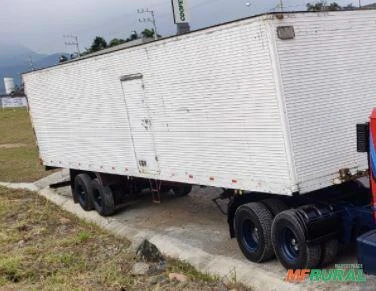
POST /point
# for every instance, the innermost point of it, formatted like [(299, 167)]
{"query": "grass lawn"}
[(44, 247), (18, 152)]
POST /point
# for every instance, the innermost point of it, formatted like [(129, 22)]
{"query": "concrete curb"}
[(221, 266), (24, 186)]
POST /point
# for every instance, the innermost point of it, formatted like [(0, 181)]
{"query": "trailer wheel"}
[(329, 252), (182, 189), (73, 175), (83, 191), (103, 199), (275, 205), (290, 245), (253, 222)]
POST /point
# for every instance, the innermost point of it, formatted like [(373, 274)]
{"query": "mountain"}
[(14, 54), (370, 6), (15, 59)]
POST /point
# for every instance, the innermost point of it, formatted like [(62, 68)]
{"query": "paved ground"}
[(193, 229)]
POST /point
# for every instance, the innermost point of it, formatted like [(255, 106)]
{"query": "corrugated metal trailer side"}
[(202, 108), (328, 72)]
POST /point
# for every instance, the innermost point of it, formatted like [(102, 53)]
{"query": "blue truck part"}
[(366, 251)]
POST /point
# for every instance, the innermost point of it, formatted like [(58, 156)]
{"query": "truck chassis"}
[(302, 231)]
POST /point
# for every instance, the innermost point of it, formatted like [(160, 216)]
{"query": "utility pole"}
[(73, 42), (360, 3), (31, 63), (281, 5), (152, 19)]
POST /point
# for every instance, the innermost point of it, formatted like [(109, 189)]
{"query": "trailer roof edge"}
[(122, 47)]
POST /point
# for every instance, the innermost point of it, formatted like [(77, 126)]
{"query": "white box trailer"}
[(231, 106), (265, 104)]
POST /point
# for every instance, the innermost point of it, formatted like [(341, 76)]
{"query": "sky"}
[(41, 24)]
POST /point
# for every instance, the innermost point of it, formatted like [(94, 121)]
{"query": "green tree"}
[(116, 41), (133, 36), (350, 7), (315, 7), (63, 59), (99, 43), (334, 7), (148, 33), (322, 6)]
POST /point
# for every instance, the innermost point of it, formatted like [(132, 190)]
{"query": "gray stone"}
[(21, 243), (149, 252), (157, 279), (140, 269), (158, 268)]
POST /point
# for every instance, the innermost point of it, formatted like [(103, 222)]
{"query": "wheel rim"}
[(250, 235), (97, 198), (289, 244), (81, 194)]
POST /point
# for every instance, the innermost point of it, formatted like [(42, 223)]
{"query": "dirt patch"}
[(12, 145)]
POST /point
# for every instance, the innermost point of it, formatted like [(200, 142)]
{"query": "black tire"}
[(83, 191), (253, 224), (329, 252), (275, 205), (103, 199), (182, 190), (73, 175), (290, 245)]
